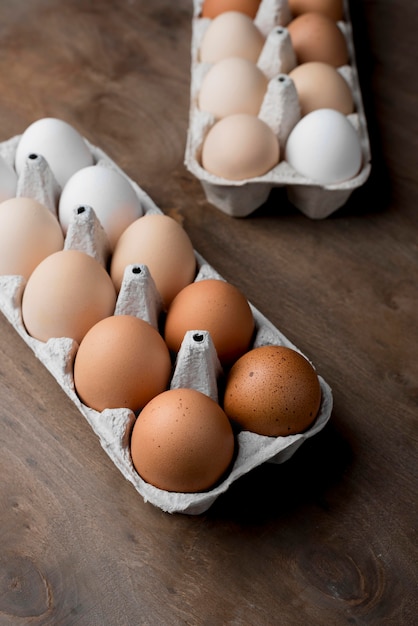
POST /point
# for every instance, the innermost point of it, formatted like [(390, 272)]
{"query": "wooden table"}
[(328, 537)]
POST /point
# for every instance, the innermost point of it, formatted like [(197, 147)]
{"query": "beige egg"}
[(66, 294), (316, 37), (231, 34), (215, 306), (29, 232), (232, 85), (273, 391), (321, 86), (331, 8), (182, 441), (239, 147), (161, 243), (122, 361)]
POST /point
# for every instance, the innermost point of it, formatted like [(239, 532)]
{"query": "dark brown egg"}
[(272, 390)]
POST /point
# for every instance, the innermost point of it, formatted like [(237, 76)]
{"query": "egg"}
[(325, 147), (108, 192), (29, 232), (8, 180), (217, 307), (182, 441), (231, 34), (61, 145), (320, 86), (66, 294), (122, 362), (333, 9), (161, 243), (239, 147), (213, 8), (232, 85), (273, 391), (316, 37)]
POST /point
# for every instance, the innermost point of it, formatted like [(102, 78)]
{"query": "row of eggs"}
[(323, 146), (184, 440)]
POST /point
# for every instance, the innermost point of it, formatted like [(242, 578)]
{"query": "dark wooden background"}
[(328, 538)]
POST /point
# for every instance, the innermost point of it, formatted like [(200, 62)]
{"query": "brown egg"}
[(331, 8), (212, 8), (121, 362), (182, 441), (217, 307), (161, 243), (272, 390), (29, 232), (321, 86), (67, 293), (316, 37), (240, 147)]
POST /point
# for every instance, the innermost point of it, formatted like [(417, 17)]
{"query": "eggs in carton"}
[(280, 109), (197, 365)]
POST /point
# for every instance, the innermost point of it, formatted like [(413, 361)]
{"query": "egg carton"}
[(197, 365), (281, 111)]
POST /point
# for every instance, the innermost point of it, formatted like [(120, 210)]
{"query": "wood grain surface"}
[(327, 538)]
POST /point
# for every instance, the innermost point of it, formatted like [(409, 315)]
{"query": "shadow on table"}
[(273, 490)]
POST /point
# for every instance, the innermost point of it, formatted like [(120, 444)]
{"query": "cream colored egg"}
[(239, 147), (66, 294), (321, 86), (29, 232), (232, 85), (231, 34), (161, 243)]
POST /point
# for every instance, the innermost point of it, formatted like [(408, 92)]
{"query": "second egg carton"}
[(281, 111), (197, 365)]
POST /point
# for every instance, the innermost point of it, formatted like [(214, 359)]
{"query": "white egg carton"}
[(197, 365), (281, 111)]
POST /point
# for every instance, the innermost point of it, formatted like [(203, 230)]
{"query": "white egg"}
[(8, 180), (108, 192), (325, 147), (61, 145)]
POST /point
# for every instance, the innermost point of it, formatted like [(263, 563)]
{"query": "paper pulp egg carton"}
[(281, 111), (197, 363)]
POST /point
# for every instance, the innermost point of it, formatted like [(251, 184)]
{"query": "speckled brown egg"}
[(182, 441), (218, 307), (272, 390), (121, 362)]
